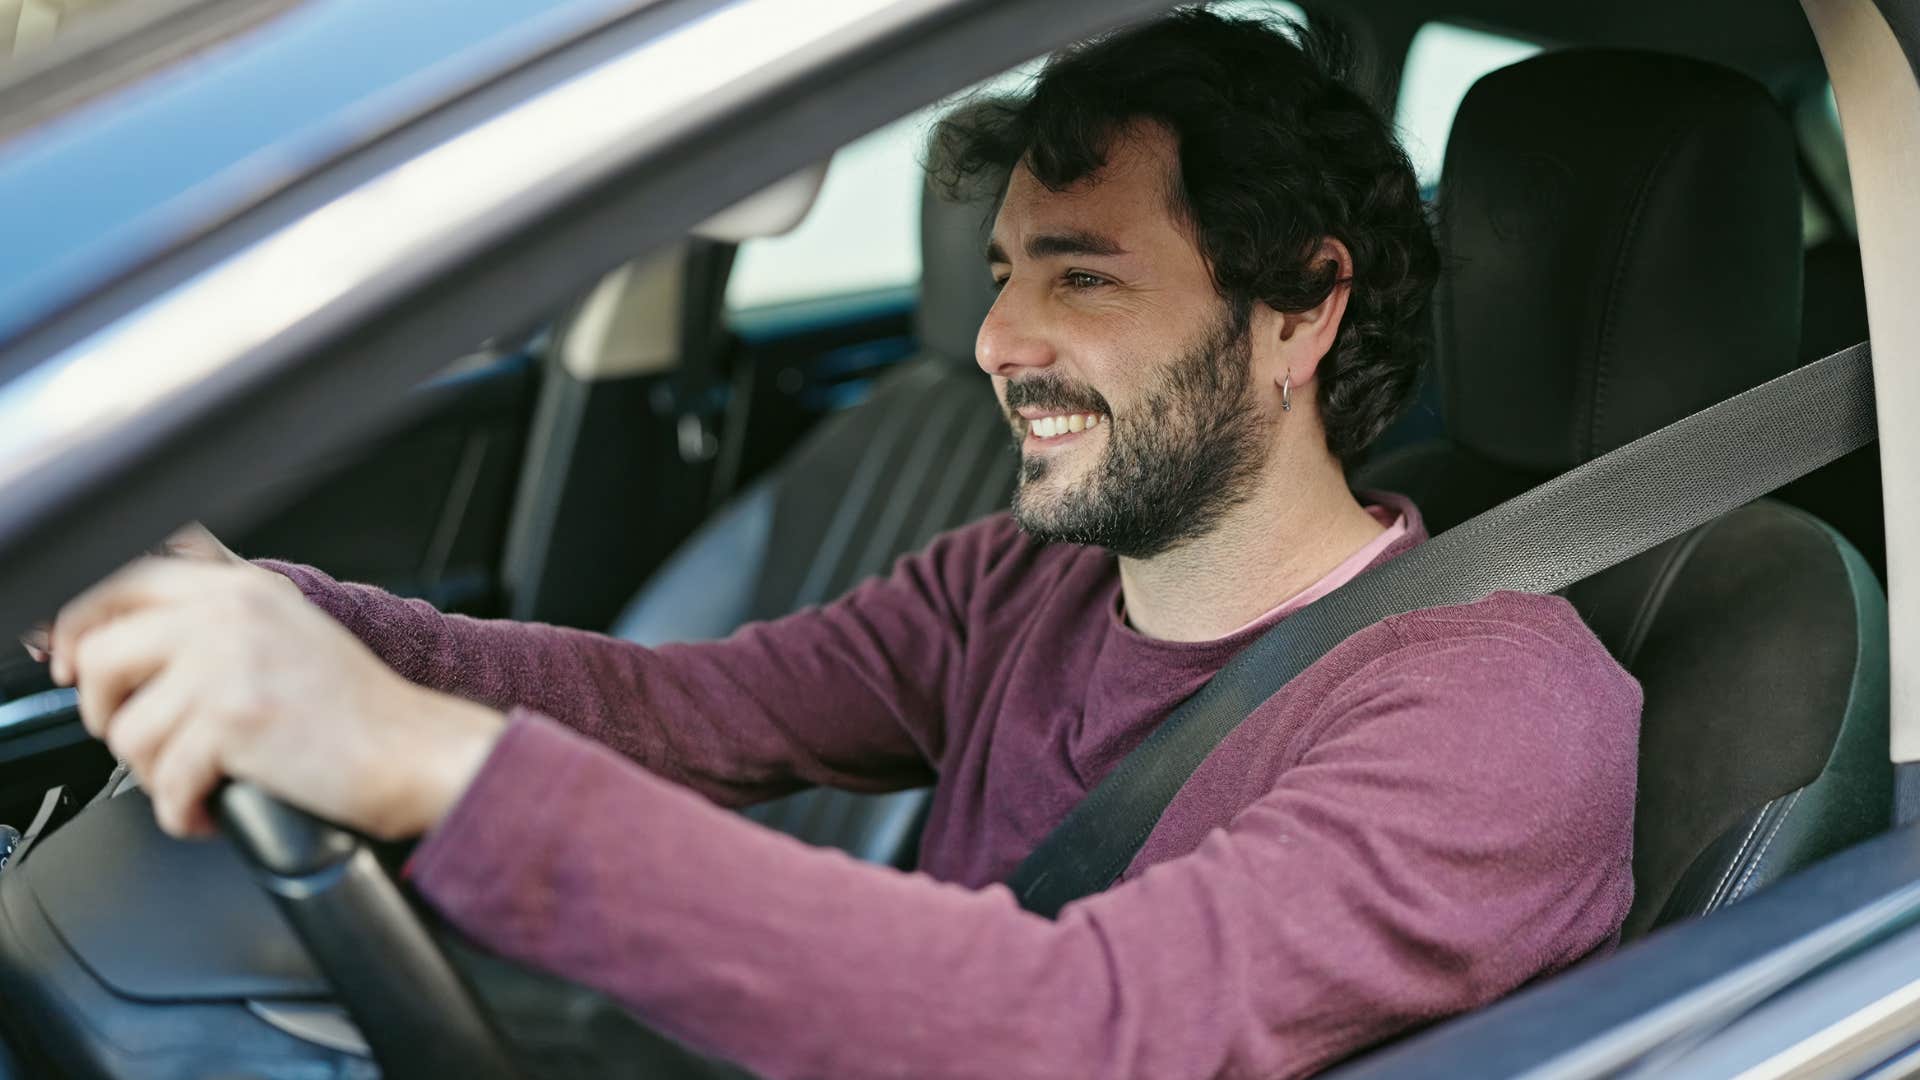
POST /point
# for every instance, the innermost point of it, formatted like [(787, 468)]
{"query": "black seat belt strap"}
[(1576, 525)]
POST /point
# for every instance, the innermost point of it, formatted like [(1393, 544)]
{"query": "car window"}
[(863, 232), (1442, 64)]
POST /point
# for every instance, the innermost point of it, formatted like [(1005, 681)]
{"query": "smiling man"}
[(1213, 275), (1101, 284)]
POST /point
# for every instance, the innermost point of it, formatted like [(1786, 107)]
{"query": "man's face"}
[(1123, 374)]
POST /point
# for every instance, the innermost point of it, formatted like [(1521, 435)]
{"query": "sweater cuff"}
[(319, 589), (470, 861)]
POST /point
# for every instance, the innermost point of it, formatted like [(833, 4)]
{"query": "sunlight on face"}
[(1123, 373)]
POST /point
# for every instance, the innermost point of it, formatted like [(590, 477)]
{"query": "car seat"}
[(1623, 237)]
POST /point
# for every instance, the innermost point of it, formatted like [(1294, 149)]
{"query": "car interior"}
[(1645, 215)]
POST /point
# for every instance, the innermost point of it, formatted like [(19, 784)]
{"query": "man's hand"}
[(194, 670), (190, 541)]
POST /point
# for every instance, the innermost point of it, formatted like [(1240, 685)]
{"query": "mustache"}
[(1054, 392)]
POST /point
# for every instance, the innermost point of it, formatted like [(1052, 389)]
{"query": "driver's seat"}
[(1625, 246)]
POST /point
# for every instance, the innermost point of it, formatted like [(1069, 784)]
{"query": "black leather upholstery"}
[(1760, 641), (927, 452), (1633, 218), (1624, 237)]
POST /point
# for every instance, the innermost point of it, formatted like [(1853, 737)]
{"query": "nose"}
[(1011, 338)]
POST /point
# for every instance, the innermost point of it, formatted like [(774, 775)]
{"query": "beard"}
[(1172, 466)]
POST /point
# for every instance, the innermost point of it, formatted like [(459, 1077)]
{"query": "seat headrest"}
[(1622, 233), (955, 288)]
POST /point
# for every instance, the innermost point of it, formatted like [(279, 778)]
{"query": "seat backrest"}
[(928, 451), (1623, 237)]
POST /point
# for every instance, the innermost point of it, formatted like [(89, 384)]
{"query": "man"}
[(1213, 272)]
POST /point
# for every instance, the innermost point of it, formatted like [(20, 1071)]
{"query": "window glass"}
[(863, 232), (1442, 64)]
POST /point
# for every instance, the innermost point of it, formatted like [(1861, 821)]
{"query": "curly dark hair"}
[(1276, 152)]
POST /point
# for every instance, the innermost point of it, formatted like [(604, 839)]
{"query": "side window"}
[(863, 233), (1442, 64)]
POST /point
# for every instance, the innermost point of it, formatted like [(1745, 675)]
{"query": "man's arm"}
[(1442, 842), (850, 695)]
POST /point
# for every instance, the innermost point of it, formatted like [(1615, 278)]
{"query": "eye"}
[(1080, 279), (999, 282)]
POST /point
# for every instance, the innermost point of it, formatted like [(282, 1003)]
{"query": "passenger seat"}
[(927, 452), (1624, 241)]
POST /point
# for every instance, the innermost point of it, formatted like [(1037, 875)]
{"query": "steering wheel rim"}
[(368, 942)]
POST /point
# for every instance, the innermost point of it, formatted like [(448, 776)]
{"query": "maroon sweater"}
[(1437, 811)]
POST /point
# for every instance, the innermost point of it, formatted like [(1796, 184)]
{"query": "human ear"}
[(1305, 337)]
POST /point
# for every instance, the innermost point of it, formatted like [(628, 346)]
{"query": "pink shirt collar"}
[(1349, 568)]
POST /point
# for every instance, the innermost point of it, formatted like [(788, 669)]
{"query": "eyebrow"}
[(1049, 245)]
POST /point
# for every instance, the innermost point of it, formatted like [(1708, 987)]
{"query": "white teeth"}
[(1047, 427)]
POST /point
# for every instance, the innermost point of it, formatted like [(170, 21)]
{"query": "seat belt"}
[(1571, 527)]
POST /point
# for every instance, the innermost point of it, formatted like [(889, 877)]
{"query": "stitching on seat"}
[(1761, 854), (1733, 864), (883, 539), (817, 587), (975, 437), (1610, 313), (1655, 597)]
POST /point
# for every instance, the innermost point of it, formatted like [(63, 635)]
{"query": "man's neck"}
[(1265, 551)]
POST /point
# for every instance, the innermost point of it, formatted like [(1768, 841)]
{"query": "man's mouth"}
[(1046, 426)]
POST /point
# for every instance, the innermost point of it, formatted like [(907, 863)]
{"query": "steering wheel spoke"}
[(410, 1003)]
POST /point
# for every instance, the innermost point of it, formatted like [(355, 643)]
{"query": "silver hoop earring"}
[(1286, 393)]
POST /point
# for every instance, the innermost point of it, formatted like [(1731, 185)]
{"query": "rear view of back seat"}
[(927, 452)]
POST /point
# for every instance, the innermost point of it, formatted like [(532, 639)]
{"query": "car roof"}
[(132, 172)]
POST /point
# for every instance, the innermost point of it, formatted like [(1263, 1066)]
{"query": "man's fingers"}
[(183, 776), (137, 585), (149, 720), (113, 661)]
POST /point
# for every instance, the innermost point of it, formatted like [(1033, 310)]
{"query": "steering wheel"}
[(416, 1012)]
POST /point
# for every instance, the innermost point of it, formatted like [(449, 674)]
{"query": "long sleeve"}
[(1459, 823), (850, 695)]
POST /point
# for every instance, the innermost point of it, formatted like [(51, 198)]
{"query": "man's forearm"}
[(420, 642), (740, 721)]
